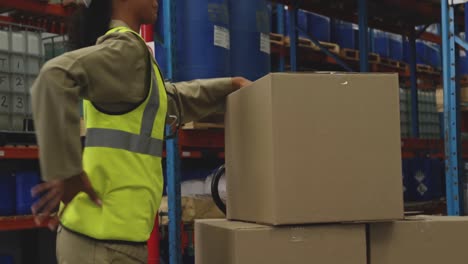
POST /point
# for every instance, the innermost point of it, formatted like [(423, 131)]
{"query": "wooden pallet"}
[(332, 47), (202, 125), (403, 66), (350, 54), (464, 80), (301, 42), (389, 62), (276, 39), (424, 68), (374, 58)]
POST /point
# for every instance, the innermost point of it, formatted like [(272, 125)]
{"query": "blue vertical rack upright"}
[(172, 150), (452, 106)]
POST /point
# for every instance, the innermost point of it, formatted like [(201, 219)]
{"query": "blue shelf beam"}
[(172, 153), (174, 199), (168, 7), (363, 36), (451, 112)]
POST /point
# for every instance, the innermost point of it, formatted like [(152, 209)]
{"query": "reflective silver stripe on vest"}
[(151, 110), (141, 143), (116, 139)]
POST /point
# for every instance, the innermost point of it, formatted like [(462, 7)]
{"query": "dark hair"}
[(89, 23)]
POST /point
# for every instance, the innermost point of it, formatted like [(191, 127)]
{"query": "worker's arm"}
[(109, 74), (200, 98)]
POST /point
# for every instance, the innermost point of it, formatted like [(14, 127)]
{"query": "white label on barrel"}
[(2, 153), (221, 37), (265, 43)]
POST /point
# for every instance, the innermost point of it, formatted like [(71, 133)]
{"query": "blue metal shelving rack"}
[(451, 100)]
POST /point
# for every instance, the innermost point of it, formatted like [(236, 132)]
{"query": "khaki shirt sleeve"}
[(111, 74), (199, 98)]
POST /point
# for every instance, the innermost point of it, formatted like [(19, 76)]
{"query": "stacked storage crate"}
[(405, 113), (429, 122), (20, 60)]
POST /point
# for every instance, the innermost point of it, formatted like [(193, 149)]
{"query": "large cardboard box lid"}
[(315, 148), (420, 239), (229, 242)]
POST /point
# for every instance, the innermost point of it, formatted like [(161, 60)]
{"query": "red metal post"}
[(153, 244), (147, 33)]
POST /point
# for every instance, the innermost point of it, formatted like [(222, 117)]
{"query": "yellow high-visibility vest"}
[(122, 158)]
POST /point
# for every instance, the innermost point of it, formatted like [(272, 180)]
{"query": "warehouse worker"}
[(112, 191)]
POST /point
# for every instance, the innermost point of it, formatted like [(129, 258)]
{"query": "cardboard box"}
[(193, 207), (225, 242), (425, 240), (314, 148), (440, 98)]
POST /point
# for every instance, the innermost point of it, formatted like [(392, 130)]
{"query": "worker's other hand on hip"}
[(56, 191), (240, 82)]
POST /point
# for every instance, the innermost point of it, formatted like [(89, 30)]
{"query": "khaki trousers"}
[(76, 249)]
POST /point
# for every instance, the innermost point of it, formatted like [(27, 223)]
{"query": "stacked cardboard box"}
[(311, 160)]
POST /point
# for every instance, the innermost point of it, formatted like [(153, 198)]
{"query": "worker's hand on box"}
[(56, 191), (240, 82)]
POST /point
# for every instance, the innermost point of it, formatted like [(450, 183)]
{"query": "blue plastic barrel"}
[(7, 194), (427, 179), (406, 171), (343, 34), (422, 53), (380, 43), (159, 37), (434, 55), (302, 20), (250, 38), (395, 47), (203, 45), (6, 259), (318, 26), (25, 181)]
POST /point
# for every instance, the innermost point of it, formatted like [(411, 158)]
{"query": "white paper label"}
[(2, 153), (186, 154), (221, 37), (265, 43)]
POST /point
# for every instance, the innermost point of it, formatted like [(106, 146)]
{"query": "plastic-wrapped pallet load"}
[(429, 123)]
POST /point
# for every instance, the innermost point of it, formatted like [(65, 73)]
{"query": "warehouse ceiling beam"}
[(35, 7)]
